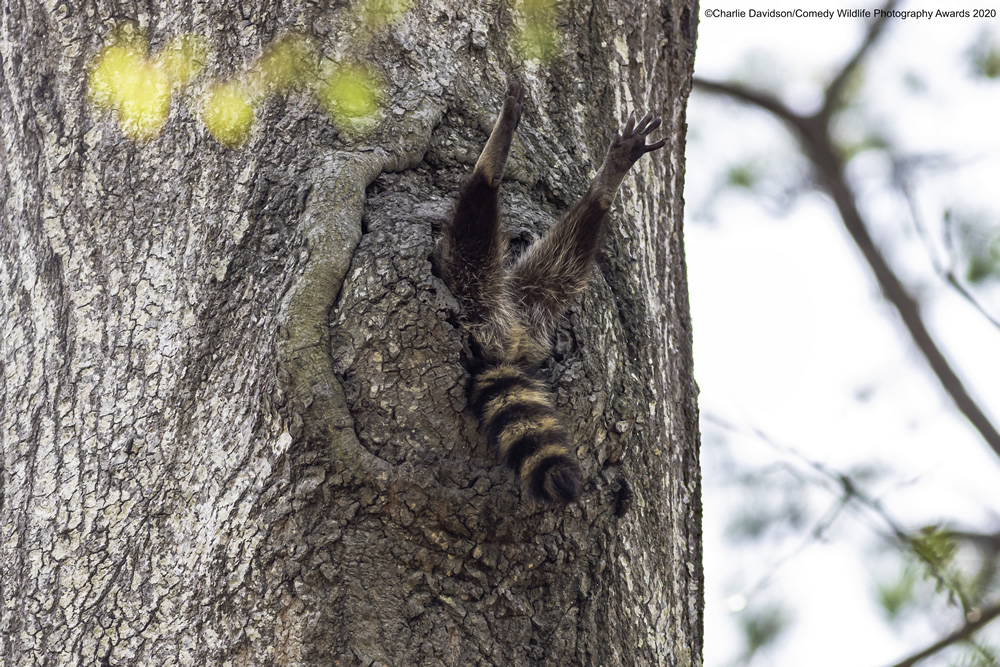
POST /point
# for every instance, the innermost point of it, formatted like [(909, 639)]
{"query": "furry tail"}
[(520, 420)]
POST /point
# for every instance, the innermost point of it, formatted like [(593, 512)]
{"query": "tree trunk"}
[(234, 420)]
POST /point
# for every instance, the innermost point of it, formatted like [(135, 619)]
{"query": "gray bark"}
[(233, 398)]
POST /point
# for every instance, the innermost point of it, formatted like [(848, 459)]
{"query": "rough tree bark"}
[(233, 398)]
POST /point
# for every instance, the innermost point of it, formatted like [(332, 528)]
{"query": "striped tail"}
[(520, 420)]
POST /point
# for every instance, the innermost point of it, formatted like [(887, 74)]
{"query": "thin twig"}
[(982, 617), (946, 274), (850, 490), (834, 91)]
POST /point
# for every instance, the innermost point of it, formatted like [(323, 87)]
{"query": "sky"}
[(793, 339)]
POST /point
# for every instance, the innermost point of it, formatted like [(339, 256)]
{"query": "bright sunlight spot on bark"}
[(228, 114), (123, 79), (351, 93), (538, 39)]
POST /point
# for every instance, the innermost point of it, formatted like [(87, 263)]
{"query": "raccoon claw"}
[(630, 144), (513, 103)]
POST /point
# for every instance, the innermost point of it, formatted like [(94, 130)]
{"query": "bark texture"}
[(232, 408)]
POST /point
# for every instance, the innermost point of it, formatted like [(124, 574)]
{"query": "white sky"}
[(792, 337)]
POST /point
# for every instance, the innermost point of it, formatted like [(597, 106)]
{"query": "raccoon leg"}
[(515, 407), (493, 159), (557, 267), (472, 246)]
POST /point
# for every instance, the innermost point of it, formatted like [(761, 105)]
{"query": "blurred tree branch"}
[(988, 542), (850, 492), (974, 621), (834, 97), (813, 133), (945, 272)]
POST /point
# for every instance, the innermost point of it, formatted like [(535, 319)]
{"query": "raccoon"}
[(511, 313)]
